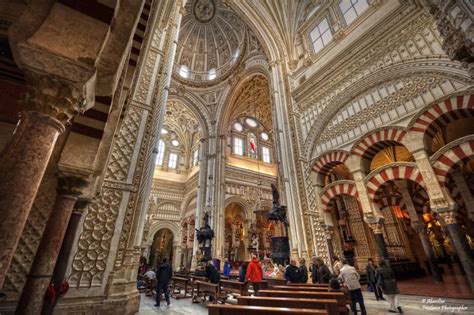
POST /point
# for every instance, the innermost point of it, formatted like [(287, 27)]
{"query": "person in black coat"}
[(163, 275), (324, 274), (212, 274), (303, 271), (243, 271), (371, 270), (313, 268), (292, 273)]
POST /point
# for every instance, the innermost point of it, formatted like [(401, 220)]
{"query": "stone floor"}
[(411, 304)]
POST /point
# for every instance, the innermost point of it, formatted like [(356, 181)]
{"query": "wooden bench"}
[(258, 310), (330, 305), (339, 296), (272, 282), (210, 289), (295, 288), (179, 284), (231, 286), (325, 285)]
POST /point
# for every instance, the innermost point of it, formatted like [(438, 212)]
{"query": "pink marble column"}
[(32, 297), (22, 165)]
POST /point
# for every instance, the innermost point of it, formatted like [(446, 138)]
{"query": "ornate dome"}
[(211, 42)]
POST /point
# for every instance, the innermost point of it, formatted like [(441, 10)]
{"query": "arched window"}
[(252, 145), (161, 153), (173, 160), (351, 9)]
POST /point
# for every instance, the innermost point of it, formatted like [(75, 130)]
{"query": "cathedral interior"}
[(127, 125)]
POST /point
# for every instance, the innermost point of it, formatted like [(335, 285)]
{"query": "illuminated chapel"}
[(290, 129)]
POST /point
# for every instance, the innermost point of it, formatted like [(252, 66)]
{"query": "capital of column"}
[(375, 223), (81, 205), (54, 97), (448, 217), (71, 185)]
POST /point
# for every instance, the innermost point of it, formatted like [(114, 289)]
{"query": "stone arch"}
[(452, 155), (376, 140), (442, 112), (325, 162), (342, 187), (400, 170), (196, 106), (174, 227), (410, 68), (242, 202), (187, 201)]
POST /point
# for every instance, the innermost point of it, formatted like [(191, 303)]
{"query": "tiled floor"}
[(412, 305), (455, 285)]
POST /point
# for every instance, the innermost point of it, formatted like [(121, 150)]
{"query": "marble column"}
[(329, 231), (466, 255), (376, 224), (41, 272), (59, 274), (465, 192), (49, 104), (419, 227), (428, 249)]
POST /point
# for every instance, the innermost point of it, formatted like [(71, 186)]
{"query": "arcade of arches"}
[(122, 123)]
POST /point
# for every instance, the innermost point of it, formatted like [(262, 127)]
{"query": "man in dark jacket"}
[(212, 274), (163, 275), (371, 271), (303, 271), (292, 273)]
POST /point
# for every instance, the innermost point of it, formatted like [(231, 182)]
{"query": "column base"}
[(124, 304)]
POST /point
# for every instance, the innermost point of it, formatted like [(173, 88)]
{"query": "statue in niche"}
[(278, 213), (254, 241)]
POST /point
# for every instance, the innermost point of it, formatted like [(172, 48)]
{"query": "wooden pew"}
[(179, 284), (210, 289), (325, 285), (272, 282), (295, 288), (227, 309), (231, 286), (339, 296), (330, 305)]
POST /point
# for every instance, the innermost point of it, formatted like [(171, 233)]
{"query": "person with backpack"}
[(350, 278)]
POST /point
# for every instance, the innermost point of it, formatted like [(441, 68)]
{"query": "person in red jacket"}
[(254, 273)]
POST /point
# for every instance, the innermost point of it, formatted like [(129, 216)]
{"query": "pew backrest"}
[(227, 309), (330, 305)]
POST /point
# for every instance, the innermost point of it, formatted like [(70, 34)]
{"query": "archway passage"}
[(421, 253), (235, 233), (162, 247)]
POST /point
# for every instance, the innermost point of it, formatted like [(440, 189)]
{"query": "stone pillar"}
[(59, 274), (465, 193), (40, 275), (419, 227), (466, 255), (329, 232), (50, 103), (375, 223), (425, 242)]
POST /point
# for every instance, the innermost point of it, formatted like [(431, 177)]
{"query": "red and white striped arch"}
[(397, 171), (441, 114), (336, 189), (390, 201), (327, 161), (378, 140), (448, 160)]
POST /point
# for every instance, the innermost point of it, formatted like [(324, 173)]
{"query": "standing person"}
[(371, 270), (350, 279), (163, 276), (227, 267), (254, 273), (336, 267), (303, 271), (292, 272), (313, 268), (324, 274), (243, 271), (386, 280)]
